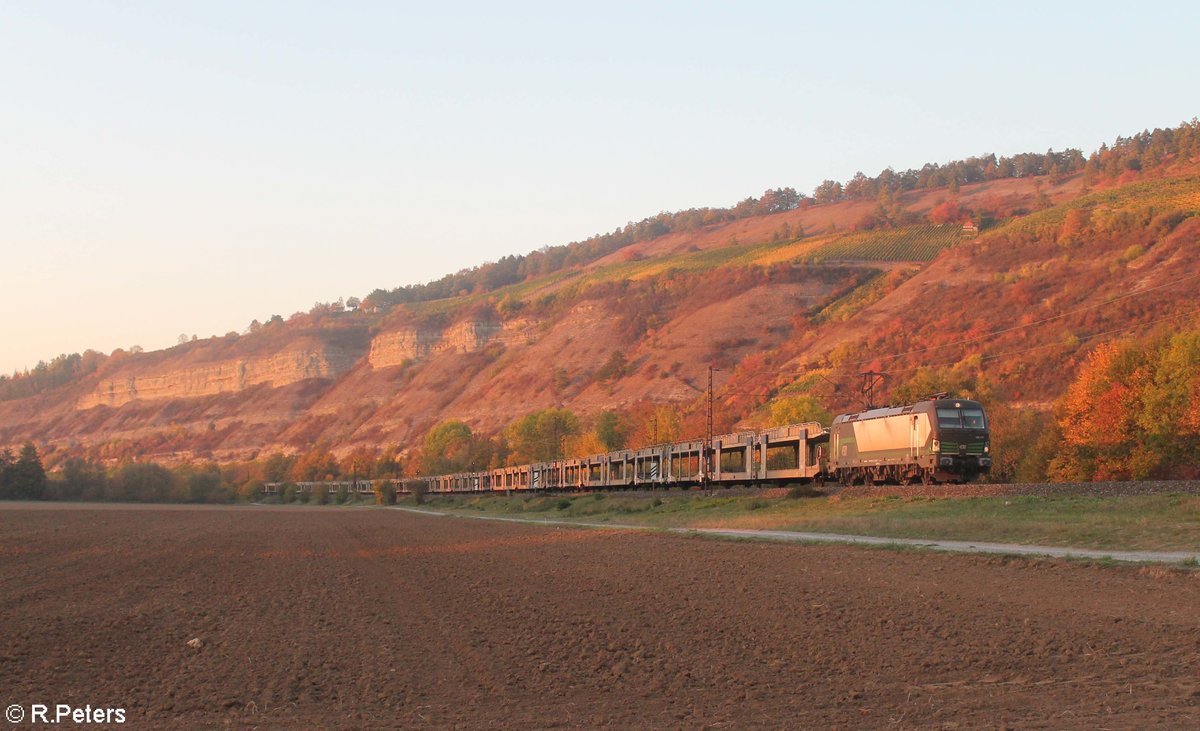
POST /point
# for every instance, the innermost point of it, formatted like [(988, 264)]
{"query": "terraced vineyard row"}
[(916, 243)]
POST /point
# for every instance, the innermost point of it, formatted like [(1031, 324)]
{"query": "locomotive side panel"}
[(892, 437)]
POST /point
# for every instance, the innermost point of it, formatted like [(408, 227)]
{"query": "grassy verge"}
[(1140, 522)]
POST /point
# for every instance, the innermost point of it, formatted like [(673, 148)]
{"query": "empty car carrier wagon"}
[(792, 453)]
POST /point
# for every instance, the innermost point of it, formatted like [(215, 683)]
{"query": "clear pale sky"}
[(168, 169)]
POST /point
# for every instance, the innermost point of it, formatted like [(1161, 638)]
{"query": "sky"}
[(172, 169)]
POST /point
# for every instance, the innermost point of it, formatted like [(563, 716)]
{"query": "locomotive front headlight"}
[(987, 447), (937, 446)]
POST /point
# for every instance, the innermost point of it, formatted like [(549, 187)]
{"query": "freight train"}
[(935, 440)]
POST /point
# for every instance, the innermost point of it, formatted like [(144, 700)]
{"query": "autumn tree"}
[(81, 480), (359, 463), (451, 447), (584, 445), (539, 436), (1096, 415), (277, 467), (607, 434), (656, 424), (1170, 414), (1132, 412), (1074, 226), (145, 482), (797, 410), (1023, 441), (388, 463), (947, 212), (385, 492), (201, 484), (612, 430), (829, 191), (317, 463)]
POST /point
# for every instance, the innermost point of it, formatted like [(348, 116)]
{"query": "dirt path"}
[(344, 618)]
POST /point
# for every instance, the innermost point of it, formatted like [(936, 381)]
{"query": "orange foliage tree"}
[(947, 212), (1133, 411)]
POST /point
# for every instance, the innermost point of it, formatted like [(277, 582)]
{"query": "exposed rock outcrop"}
[(408, 344), (227, 376)]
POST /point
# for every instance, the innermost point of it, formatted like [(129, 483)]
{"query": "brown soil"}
[(371, 618)]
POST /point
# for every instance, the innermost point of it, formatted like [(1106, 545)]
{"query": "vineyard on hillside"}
[(916, 243)]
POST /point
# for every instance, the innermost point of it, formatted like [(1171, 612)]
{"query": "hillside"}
[(786, 303)]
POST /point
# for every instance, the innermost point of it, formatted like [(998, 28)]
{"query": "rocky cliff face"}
[(279, 369), (408, 344)]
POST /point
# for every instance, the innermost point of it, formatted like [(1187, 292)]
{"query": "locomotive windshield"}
[(964, 418)]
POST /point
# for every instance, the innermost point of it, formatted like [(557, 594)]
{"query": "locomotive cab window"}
[(968, 418), (949, 419)]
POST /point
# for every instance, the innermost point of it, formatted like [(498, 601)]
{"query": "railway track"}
[(833, 490)]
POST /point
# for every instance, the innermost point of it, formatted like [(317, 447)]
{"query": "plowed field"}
[(373, 618)]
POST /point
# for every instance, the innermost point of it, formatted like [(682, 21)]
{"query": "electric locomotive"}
[(937, 440)]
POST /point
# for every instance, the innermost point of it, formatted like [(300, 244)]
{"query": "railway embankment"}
[(1041, 489), (1112, 517)]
